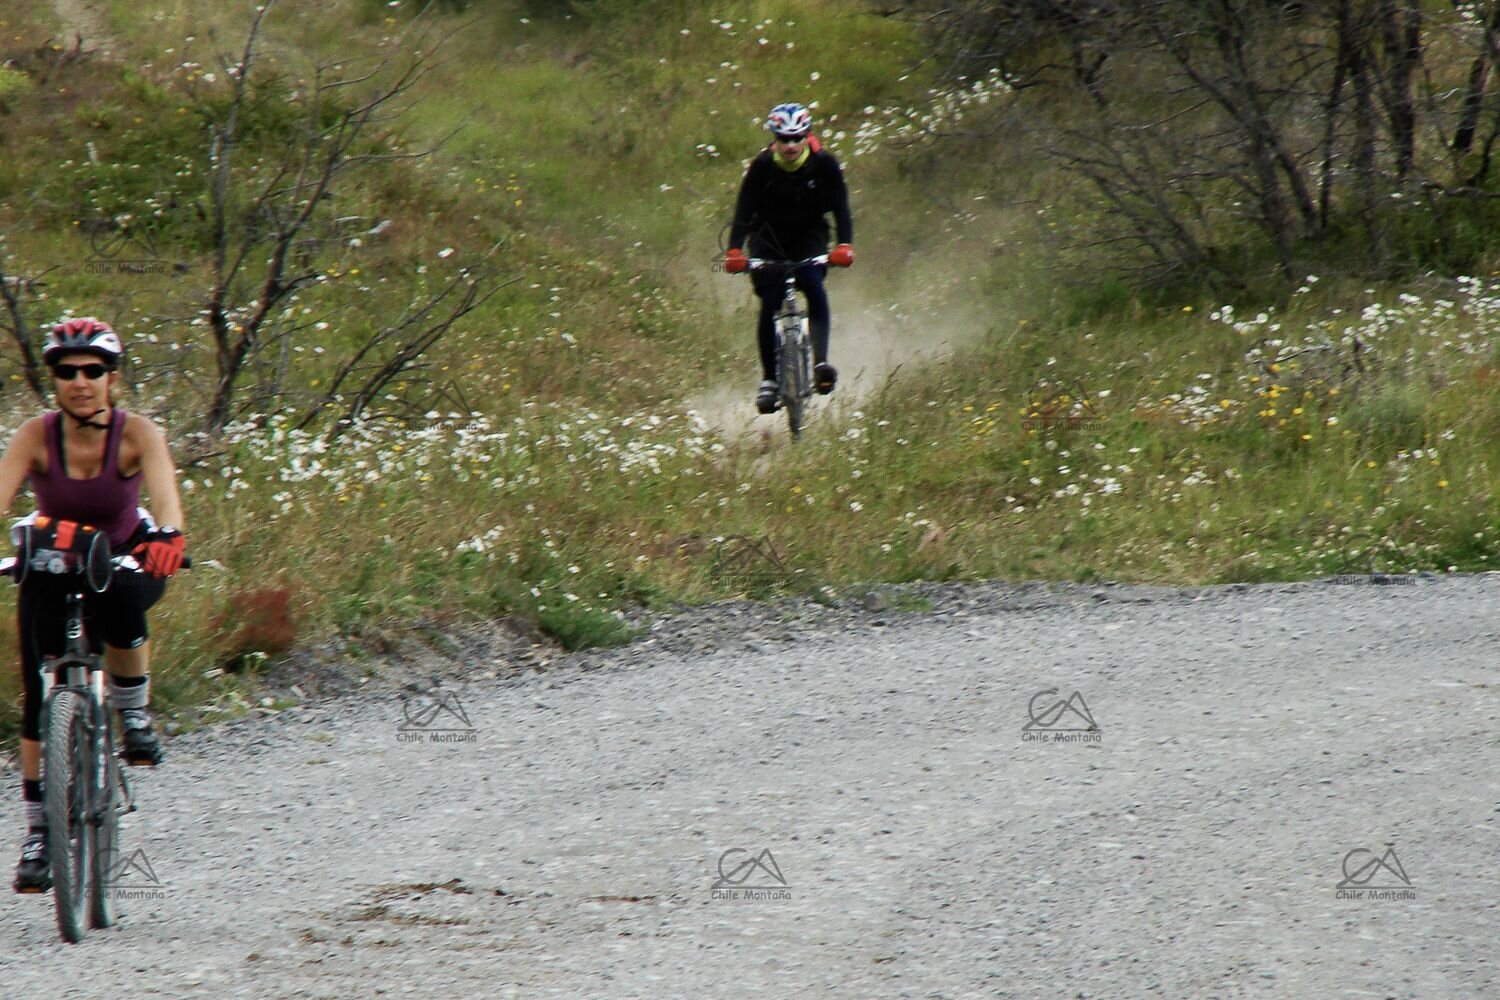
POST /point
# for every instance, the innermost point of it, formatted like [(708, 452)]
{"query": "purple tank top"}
[(108, 501)]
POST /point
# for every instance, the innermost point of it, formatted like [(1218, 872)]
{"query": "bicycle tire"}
[(69, 833), (792, 368), (104, 857)]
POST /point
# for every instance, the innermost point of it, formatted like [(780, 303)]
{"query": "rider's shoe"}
[(141, 745), (825, 377), (765, 400), (34, 873)]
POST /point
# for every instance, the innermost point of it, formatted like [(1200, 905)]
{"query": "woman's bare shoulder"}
[(136, 424), (32, 429)]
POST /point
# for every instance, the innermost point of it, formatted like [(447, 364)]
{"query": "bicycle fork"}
[(83, 676)]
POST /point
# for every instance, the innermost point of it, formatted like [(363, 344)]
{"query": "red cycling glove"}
[(842, 256), (161, 553), (735, 261)]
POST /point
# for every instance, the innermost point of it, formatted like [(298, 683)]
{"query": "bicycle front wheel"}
[(104, 858), (69, 832), (793, 370)]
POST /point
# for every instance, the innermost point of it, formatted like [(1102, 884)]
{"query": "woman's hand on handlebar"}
[(161, 553)]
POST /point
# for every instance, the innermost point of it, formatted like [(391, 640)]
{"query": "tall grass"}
[(1075, 430)]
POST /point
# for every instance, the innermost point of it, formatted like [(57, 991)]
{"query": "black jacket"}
[(784, 212)]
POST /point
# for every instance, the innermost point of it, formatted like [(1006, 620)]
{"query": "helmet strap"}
[(89, 420)]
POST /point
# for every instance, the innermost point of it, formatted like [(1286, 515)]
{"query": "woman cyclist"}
[(86, 462), (789, 190)]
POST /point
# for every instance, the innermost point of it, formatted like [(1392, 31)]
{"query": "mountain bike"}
[(794, 386), (85, 786)]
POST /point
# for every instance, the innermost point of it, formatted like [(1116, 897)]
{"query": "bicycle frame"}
[(86, 789), (79, 669), (793, 343)]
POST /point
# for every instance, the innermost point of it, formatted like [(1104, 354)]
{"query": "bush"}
[(13, 82), (256, 623)]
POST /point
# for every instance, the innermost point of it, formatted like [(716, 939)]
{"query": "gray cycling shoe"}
[(765, 400), (141, 745), (34, 873)]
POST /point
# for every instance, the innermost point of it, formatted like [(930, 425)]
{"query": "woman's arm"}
[(18, 460), (158, 471)]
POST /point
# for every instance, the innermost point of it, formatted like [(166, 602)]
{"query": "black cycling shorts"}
[(116, 617)]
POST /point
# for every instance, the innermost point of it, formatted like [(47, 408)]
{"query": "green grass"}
[(1078, 427)]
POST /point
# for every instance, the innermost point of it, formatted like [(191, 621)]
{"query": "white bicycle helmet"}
[(85, 335), (789, 119)]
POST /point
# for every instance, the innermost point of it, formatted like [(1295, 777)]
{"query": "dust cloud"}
[(880, 328)]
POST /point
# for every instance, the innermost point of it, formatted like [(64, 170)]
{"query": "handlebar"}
[(757, 263), (126, 562), (60, 548)]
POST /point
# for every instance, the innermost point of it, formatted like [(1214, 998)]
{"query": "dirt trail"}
[(82, 19), (873, 338), (1289, 791)]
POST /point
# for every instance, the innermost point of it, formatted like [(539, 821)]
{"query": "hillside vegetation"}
[(581, 440)]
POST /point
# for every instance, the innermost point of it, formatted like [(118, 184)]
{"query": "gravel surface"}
[(887, 799)]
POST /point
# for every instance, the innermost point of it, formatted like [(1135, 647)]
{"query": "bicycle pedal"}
[(142, 758)]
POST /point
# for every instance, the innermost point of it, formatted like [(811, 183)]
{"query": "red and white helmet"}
[(85, 335), (789, 119)]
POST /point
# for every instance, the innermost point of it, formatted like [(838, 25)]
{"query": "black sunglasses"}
[(789, 138), (67, 373)]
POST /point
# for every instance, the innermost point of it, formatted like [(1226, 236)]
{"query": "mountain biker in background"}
[(86, 462), (789, 190)]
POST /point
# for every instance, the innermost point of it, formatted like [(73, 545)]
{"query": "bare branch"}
[(12, 288), (406, 340), (275, 233)]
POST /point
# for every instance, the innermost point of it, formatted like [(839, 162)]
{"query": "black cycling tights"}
[(116, 617), (770, 289)]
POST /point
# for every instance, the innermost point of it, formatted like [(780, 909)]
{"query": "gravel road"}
[(887, 800)]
